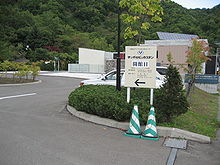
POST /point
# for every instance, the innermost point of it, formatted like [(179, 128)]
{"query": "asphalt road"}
[(36, 129)]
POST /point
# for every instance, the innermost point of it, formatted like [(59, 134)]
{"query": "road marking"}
[(23, 95)]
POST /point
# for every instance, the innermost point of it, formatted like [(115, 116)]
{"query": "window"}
[(162, 71), (112, 76)]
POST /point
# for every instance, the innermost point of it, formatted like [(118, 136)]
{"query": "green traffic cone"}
[(150, 132), (134, 129)]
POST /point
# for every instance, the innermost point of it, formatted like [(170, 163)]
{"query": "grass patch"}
[(201, 117)]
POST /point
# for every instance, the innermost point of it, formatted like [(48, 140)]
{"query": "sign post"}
[(128, 94), (151, 96), (140, 68)]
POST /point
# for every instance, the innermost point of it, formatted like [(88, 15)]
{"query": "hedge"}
[(105, 101)]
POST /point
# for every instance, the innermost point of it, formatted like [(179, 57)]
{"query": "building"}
[(98, 61), (175, 44), (91, 60)]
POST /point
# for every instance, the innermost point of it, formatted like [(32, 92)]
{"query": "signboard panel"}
[(140, 66), (203, 79)]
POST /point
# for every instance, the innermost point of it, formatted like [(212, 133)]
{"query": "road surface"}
[(36, 129)]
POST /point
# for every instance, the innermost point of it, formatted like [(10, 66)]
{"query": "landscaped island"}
[(20, 72)]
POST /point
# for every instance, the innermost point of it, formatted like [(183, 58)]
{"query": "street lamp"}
[(27, 47), (26, 53), (57, 59), (118, 68)]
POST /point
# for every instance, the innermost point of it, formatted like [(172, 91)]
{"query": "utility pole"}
[(118, 69), (216, 59)]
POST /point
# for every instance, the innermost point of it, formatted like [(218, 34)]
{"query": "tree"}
[(4, 51), (171, 99), (101, 44), (139, 14), (195, 57), (10, 52), (41, 54), (69, 24), (35, 70)]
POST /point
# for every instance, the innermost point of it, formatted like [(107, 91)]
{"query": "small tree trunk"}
[(191, 82), (34, 77)]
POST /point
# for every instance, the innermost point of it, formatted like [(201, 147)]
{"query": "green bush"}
[(22, 70), (101, 100), (105, 101), (46, 67), (171, 100)]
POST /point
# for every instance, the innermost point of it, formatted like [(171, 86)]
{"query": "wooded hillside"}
[(58, 28)]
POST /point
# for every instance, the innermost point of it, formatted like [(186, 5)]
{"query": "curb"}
[(62, 76), (5, 85), (162, 131), (70, 76)]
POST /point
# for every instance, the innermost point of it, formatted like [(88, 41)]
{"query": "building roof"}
[(175, 36), (168, 42), (171, 42)]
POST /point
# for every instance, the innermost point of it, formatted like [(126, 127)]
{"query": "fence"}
[(208, 83), (86, 68)]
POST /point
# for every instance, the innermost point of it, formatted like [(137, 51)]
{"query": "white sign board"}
[(140, 66)]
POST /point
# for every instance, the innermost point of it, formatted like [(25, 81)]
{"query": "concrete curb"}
[(63, 76), (5, 85), (71, 75), (162, 131)]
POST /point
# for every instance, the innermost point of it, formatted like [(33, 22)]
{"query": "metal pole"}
[(118, 69), (128, 94), (151, 96), (216, 56), (217, 53), (58, 67), (54, 65)]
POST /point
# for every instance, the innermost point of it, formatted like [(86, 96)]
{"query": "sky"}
[(197, 3)]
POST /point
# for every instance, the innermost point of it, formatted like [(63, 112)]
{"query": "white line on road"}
[(23, 95)]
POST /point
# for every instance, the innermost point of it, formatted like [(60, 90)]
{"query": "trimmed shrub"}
[(106, 101), (101, 100)]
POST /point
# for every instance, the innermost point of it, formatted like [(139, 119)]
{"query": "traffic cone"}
[(150, 132), (134, 129)]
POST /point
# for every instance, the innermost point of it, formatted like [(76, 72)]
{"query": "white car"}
[(110, 78)]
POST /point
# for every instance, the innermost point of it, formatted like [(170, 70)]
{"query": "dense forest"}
[(44, 29)]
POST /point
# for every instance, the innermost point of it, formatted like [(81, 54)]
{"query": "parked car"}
[(110, 78)]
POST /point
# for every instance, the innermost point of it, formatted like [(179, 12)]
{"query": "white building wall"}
[(108, 55), (91, 56)]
